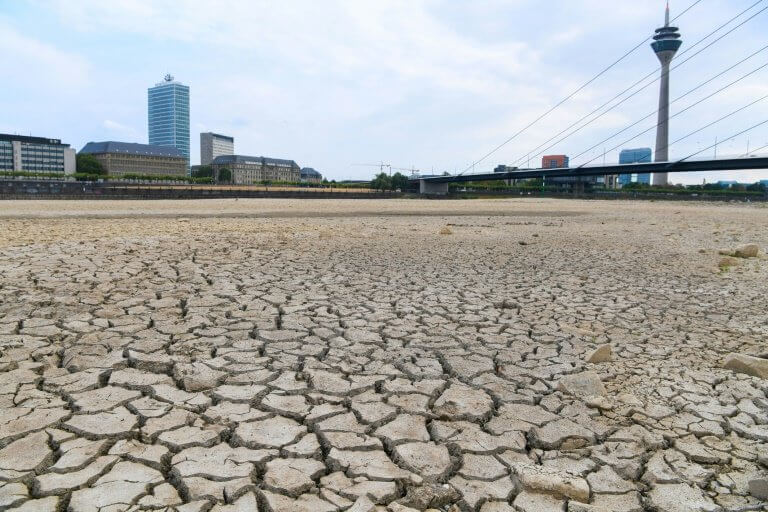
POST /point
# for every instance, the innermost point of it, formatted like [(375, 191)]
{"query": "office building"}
[(213, 145), (665, 44), (634, 156), (309, 175), (168, 115), (247, 170), (121, 158), (19, 153), (554, 162)]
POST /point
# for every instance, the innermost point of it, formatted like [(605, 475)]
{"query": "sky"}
[(432, 85)]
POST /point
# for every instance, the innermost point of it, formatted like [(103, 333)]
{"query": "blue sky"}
[(433, 84)]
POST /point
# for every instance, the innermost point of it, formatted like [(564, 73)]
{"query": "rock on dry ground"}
[(281, 355)]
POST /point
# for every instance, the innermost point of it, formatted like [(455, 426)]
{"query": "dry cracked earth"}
[(509, 355)]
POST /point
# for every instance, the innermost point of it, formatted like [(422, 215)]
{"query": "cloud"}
[(126, 132), (39, 65)]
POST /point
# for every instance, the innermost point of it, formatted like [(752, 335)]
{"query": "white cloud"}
[(127, 133), (39, 65)]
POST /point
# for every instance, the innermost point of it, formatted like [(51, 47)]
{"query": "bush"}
[(88, 164)]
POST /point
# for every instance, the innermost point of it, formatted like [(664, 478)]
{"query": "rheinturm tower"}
[(666, 42)]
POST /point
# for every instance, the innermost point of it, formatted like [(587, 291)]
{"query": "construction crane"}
[(380, 165), (412, 170)]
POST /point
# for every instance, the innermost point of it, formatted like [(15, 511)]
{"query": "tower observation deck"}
[(666, 43)]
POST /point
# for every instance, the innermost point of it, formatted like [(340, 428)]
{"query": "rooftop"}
[(130, 148), (219, 136), (7, 137), (308, 171), (256, 160)]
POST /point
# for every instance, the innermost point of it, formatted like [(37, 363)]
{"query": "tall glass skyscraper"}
[(169, 115)]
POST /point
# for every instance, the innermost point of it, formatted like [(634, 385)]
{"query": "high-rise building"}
[(35, 154), (169, 115), (213, 145), (666, 42), (634, 156)]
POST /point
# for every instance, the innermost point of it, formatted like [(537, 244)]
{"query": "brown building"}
[(554, 162), (247, 170), (121, 158)]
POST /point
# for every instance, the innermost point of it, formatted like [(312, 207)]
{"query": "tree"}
[(204, 171), (225, 175), (88, 164), (399, 181), (381, 182)]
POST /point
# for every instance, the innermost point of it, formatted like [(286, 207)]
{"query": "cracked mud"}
[(538, 355)]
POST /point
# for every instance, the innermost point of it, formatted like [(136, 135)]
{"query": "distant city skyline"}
[(427, 85)]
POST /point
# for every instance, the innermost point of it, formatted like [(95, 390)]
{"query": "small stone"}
[(750, 365), (727, 262), (747, 251), (601, 354), (582, 385), (758, 488)]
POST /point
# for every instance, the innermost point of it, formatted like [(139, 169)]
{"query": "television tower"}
[(666, 42)]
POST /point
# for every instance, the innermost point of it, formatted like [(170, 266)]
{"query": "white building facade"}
[(213, 145), (19, 153)]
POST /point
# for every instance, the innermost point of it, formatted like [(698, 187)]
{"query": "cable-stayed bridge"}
[(438, 185), (665, 43)]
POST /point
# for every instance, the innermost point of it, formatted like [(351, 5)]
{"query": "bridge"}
[(438, 185)]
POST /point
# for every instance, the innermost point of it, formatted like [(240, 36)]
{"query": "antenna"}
[(169, 77)]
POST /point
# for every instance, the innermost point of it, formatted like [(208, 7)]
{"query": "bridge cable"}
[(727, 139), (689, 134), (754, 151), (654, 72), (574, 93), (743, 77)]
